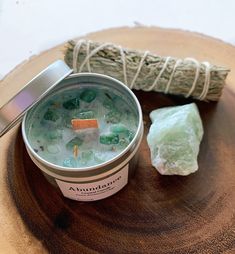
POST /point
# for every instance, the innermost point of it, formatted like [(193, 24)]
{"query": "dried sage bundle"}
[(148, 72)]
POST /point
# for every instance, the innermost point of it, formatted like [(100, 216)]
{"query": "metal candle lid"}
[(12, 112)]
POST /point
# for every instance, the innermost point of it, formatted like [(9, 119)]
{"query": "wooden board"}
[(153, 213)]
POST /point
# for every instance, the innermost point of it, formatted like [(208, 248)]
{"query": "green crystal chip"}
[(70, 163), (108, 102), (109, 139), (113, 116), (98, 159), (174, 139), (86, 114), (131, 135), (75, 141), (119, 128), (67, 120), (71, 104), (51, 115), (53, 149), (86, 157), (88, 95), (53, 135), (123, 142)]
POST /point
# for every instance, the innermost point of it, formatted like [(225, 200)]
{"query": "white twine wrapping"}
[(89, 53)]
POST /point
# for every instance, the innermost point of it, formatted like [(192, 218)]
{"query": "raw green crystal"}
[(75, 141), (113, 116), (109, 139), (88, 95), (174, 138), (71, 104), (51, 115), (70, 163)]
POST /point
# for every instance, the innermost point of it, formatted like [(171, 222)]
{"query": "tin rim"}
[(104, 164), (29, 95)]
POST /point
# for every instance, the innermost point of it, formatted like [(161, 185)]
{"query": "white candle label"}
[(95, 190)]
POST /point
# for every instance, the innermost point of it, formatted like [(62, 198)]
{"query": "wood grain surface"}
[(153, 213)]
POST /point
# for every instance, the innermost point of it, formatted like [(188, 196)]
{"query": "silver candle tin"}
[(99, 181)]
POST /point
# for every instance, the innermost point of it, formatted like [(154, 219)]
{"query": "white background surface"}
[(28, 27)]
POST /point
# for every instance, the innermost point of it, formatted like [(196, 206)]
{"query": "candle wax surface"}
[(52, 137)]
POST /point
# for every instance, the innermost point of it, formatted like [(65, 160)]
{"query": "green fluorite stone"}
[(174, 139)]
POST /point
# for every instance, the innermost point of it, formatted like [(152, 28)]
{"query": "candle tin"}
[(102, 180)]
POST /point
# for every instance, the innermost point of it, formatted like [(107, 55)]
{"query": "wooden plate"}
[(153, 213)]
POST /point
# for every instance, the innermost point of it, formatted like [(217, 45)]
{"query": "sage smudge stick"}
[(148, 72)]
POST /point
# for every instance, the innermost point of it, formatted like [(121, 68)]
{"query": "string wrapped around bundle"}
[(148, 72)]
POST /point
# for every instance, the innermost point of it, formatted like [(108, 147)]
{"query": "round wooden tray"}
[(153, 213)]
